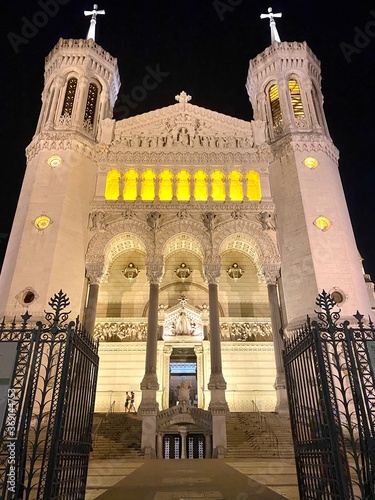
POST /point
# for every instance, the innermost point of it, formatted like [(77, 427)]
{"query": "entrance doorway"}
[(172, 446), (183, 368), (195, 446)]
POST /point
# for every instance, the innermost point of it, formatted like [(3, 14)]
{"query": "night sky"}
[(202, 47)]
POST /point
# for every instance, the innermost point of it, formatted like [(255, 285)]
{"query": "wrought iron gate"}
[(331, 390), (45, 437)]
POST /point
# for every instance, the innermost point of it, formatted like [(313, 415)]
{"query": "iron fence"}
[(45, 437), (329, 369)]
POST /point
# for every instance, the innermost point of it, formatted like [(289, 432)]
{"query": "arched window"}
[(295, 95), (200, 186), (254, 192), (130, 185), (165, 185), (317, 106), (148, 185), (235, 186), (277, 117), (70, 93), (183, 186), (92, 98), (218, 185), (112, 186)]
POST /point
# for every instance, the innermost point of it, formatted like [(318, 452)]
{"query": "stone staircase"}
[(258, 435), (116, 435)]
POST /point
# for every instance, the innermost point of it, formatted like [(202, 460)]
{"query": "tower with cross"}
[(93, 13)]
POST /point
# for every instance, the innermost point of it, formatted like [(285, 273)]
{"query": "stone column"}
[(183, 444), (198, 350), (207, 439), (278, 345), (51, 110), (160, 445), (217, 385), (167, 351), (148, 408), (94, 274), (80, 105)]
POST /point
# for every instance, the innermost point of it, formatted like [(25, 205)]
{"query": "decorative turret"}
[(315, 237), (81, 86), (284, 86)]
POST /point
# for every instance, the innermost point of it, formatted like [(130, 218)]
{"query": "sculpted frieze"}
[(246, 332)]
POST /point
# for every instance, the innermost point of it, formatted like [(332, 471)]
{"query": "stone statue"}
[(97, 221), (267, 220), (184, 392)]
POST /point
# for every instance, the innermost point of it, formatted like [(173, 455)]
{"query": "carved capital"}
[(154, 271), (212, 273), (269, 273), (95, 273)]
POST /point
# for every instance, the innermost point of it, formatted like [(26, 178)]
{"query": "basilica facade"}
[(189, 241)]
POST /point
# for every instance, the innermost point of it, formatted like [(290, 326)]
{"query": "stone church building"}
[(187, 240)]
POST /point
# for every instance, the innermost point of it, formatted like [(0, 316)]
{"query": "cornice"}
[(299, 142), (60, 140)]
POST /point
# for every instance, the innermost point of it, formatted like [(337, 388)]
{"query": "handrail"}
[(267, 428), (103, 419)]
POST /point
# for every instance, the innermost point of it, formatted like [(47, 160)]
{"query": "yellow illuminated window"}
[(200, 186), (148, 185), (42, 222), (253, 186), (130, 185), (112, 186), (235, 186), (295, 95), (218, 185), (165, 186), (70, 93), (183, 186), (275, 105)]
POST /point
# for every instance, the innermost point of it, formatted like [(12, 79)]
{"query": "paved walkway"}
[(176, 480)]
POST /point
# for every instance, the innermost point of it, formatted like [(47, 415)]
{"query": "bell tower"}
[(46, 250), (314, 232)]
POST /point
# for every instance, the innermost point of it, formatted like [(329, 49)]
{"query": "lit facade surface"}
[(184, 184)]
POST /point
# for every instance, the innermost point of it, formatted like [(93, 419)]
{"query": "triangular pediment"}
[(186, 126)]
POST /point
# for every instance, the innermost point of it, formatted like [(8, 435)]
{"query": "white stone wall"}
[(248, 368)]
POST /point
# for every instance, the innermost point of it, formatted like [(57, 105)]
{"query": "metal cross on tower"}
[(93, 13), (274, 33)]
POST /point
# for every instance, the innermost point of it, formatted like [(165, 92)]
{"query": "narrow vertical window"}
[(70, 93), (92, 98), (200, 186), (165, 185), (112, 186), (183, 186), (317, 107), (275, 105), (148, 185), (235, 186), (130, 185), (253, 186), (295, 95), (218, 185)]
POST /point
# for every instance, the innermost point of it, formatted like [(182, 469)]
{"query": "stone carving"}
[(267, 220), (183, 394), (208, 220), (120, 332), (246, 332), (183, 326), (153, 220), (97, 221)]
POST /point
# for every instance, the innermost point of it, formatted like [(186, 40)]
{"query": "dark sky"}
[(205, 47)]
